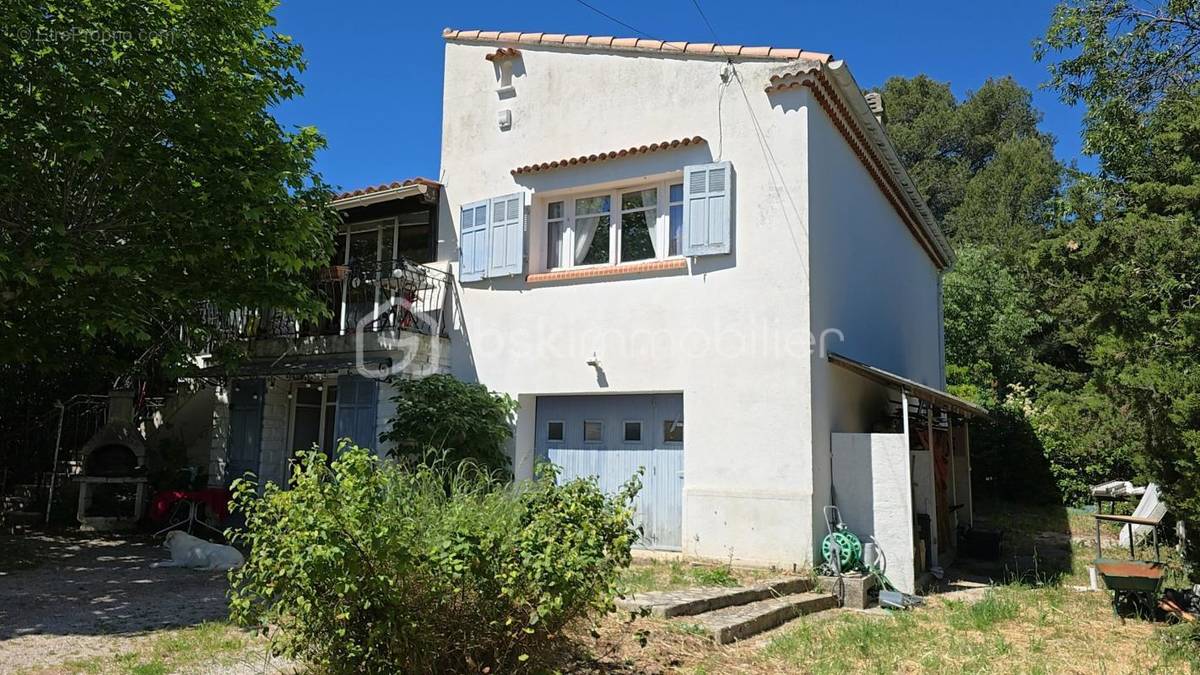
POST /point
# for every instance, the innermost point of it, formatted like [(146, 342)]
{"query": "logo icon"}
[(409, 334)]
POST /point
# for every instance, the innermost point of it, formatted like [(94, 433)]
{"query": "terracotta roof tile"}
[(386, 186), (603, 156), (636, 45)]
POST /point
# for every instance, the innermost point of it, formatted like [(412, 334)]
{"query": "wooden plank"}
[(1153, 522)]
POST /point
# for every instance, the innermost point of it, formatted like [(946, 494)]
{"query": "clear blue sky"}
[(374, 81)]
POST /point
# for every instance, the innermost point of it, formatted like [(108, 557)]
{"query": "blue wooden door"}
[(611, 437), (357, 403), (245, 428)]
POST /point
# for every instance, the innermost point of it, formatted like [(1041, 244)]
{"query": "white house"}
[(703, 261), (707, 261)]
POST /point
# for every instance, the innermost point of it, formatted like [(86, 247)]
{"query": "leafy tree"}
[(458, 421), (989, 318), (986, 171), (1127, 263), (141, 172)]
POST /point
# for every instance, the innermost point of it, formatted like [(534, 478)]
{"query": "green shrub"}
[(367, 566), (460, 421)]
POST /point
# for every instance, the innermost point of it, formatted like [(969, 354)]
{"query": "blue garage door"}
[(610, 437)]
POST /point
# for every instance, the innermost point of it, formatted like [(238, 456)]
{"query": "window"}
[(593, 431), (675, 220), (639, 215), (641, 222), (673, 431), (554, 235), (593, 221), (555, 431), (313, 417), (633, 432)]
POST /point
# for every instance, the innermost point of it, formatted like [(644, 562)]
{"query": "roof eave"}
[(640, 46), (913, 388), (368, 198)]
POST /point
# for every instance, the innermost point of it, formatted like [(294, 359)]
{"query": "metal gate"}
[(611, 437)]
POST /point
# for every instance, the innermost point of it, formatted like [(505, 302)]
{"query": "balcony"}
[(366, 297)]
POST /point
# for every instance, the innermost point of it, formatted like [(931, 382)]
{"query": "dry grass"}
[(1014, 629), (215, 647), (1045, 627)]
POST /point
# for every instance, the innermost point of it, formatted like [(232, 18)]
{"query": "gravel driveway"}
[(69, 596)]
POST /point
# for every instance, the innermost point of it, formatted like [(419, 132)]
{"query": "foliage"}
[(370, 567), (459, 421), (1127, 264), (986, 171), (989, 319), (1121, 59), (142, 172)]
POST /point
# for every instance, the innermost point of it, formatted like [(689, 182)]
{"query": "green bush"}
[(367, 566), (460, 421)]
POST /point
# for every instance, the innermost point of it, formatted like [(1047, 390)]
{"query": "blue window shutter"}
[(707, 209), (507, 238), (473, 242), (357, 399)]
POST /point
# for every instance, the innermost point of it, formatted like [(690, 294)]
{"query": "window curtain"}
[(652, 225), (585, 232)]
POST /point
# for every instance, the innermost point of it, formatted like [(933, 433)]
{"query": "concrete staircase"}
[(729, 614)]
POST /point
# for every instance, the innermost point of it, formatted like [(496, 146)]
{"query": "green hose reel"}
[(849, 548)]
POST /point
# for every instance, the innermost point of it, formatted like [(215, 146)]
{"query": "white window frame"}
[(295, 403), (564, 431), (376, 226), (566, 256), (585, 438), (625, 431)]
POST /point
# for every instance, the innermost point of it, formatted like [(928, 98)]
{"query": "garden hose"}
[(843, 544)]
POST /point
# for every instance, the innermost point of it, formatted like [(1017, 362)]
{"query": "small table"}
[(1135, 582), (213, 499)]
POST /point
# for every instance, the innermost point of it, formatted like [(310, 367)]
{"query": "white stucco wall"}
[(871, 476), (873, 284), (731, 333)]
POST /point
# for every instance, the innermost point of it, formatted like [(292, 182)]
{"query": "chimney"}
[(120, 406), (875, 103)]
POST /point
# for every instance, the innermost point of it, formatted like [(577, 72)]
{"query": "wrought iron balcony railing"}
[(363, 297)]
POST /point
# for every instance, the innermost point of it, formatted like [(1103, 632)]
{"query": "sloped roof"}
[(911, 387), (418, 180), (629, 44)]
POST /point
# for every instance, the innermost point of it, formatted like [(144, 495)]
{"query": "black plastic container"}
[(979, 543)]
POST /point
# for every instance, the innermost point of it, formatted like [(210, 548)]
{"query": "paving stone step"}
[(742, 621), (690, 601)]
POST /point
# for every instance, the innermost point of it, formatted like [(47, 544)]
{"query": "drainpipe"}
[(62, 412)]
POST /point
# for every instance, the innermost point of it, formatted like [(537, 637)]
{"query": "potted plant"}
[(334, 273)]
